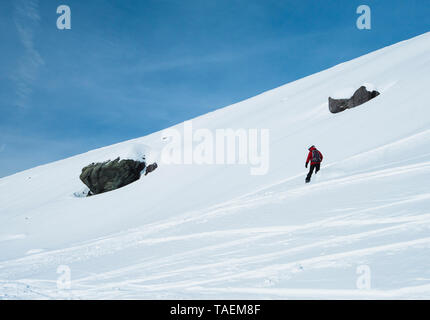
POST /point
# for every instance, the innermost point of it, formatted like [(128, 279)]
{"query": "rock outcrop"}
[(151, 168), (111, 175), (360, 96)]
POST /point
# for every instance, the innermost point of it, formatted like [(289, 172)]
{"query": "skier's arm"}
[(321, 156)]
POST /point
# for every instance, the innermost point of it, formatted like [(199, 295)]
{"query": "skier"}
[(315, 157)]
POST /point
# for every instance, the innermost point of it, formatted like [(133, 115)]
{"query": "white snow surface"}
[(216, 231)]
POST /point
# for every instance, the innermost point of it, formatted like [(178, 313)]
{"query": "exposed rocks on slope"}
[(359, 97), (151, 168), (111, 175)]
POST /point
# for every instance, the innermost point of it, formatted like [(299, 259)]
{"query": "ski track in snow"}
[(238, 239)]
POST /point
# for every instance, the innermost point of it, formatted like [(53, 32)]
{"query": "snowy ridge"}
[(211, 231)]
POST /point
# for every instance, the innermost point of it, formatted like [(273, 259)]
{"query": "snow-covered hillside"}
[(216, 231)]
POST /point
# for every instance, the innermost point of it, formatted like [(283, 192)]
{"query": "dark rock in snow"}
[(111, 175), (360, 96), (151, 168)]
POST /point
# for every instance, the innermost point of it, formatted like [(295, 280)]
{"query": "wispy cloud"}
[(26, 19)]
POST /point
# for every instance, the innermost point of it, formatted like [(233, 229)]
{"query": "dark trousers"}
[(315, 166)]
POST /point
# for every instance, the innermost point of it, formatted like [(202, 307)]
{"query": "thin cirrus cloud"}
[(26, 18)]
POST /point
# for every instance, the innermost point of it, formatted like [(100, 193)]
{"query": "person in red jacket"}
[(315, 157)]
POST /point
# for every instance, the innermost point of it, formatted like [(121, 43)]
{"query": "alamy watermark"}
[(64, 280), (64, 21), (219, 146), (364, 21), (365, 278)]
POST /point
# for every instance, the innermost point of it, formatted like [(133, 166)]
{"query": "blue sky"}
[(131, 67)]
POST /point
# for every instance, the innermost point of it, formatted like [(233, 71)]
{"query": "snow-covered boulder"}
[(359, 97), (111, 175)]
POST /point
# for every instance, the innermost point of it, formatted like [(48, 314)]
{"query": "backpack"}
[(316, 157)]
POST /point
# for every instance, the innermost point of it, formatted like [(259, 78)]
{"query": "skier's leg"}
[(311, 169), (308, 176), (317, 167)]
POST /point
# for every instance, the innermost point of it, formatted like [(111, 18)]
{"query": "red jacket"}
[(310, 156)]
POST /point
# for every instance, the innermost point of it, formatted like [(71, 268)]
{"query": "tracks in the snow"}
[(240, 254)]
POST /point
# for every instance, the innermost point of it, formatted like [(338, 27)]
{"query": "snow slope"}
[(216, 231)]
